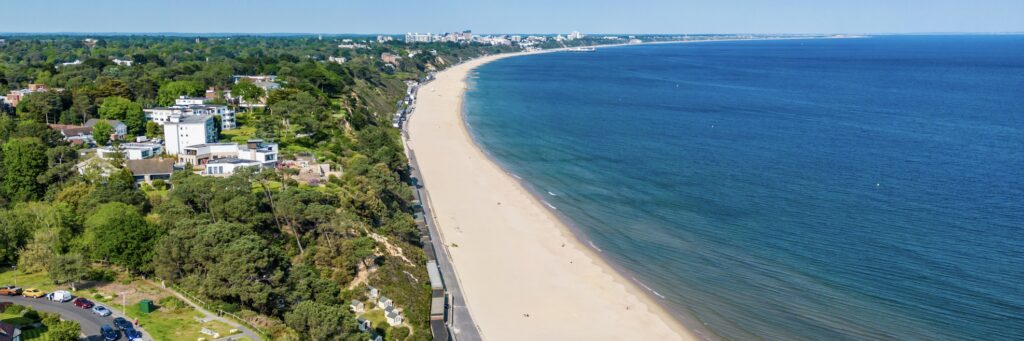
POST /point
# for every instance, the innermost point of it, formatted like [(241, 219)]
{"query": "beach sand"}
[(524, 274)]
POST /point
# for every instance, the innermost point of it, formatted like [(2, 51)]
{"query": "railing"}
[(262, 333)]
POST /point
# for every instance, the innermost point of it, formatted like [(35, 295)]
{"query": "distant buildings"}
[(123, 62), (352, 46), (14, 96), (76, 62), (183, 131), (339, 60), (74, 134), (575, 35), (384, 39), (266, 82), (390, 58), (418, 38)]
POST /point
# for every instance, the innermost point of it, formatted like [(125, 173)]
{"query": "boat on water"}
[(581, 49)]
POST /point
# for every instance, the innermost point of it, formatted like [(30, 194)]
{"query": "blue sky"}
[(521, 16)]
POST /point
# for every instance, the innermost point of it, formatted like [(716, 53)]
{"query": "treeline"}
[(285, 255)]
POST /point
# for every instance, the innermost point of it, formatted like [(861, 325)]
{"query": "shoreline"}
[(680, 323), (602, 282)]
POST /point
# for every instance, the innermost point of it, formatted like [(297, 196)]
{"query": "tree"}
[(83, 107), (172, 90), (126, 111), (40, 251), (321, 322), (41, 106), (101, 132), (61, 164), (248, 91), (154, 130), (24, 159), (67, 268), (118, 233), (63, 331)]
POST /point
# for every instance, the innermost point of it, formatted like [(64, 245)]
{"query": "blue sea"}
[(817, 189)]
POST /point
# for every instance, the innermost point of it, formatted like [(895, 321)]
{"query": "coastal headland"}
[(523, 273)]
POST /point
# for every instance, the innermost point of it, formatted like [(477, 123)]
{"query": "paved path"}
[(89, 321), (246, 332), (459, 319)]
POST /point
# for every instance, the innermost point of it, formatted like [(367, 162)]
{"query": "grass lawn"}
[(16, 320), (39, 280), (376, 318), (240, 135), (34, 334), (164, 324)]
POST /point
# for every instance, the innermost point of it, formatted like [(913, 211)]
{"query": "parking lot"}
[(89, 321)]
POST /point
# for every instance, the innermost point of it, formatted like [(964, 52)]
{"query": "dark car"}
[(131, 334), (122, 324), (83, 303), (109, 333)]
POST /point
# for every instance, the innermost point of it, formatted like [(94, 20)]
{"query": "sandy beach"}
[(523, 274)]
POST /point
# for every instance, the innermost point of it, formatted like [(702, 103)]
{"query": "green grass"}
[(15, 319), (240, 135), (39, 280), (376, 318), (34, 333)]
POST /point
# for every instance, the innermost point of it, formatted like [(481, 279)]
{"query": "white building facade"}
[(183, 131)]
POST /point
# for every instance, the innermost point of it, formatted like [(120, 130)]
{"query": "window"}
[(269, 157)]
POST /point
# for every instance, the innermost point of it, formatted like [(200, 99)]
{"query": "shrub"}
[(159, 184), (101, 275), (14, 309), (172, 303), (50, 319), (31, 315)]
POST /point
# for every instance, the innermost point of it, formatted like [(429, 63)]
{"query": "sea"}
[(812, 189)]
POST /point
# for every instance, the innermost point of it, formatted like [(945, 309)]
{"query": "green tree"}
[(41, 106), (321, 322), (248, 91), (118, 233), (67, 268), (126, 111), (24, 160), (172, 90), (63, 331), (154, 130), (101, 132)]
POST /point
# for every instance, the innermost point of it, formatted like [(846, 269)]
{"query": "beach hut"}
[(394, 318), (357, 306), (364, 324), (384, 302), (373, 292)]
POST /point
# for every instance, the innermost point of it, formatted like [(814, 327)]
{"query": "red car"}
[(83, 303)]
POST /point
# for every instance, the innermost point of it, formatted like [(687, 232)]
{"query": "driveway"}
[(90, 322)]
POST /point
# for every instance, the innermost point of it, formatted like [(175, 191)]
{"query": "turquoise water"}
[(787, 190)]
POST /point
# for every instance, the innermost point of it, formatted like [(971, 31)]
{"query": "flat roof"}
[(231, 160)]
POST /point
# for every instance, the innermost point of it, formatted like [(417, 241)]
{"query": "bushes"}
[(14, 309), (172, 303)]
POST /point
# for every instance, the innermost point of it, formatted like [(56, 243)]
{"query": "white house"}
[(227, 166), (394, 317), (183, 131), (357, 306), (120, 129), (373, 292), (132, 151), (384, 302), (263, 153), (123, 62)]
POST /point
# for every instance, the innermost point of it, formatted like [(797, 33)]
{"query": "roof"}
[(8, 331), (92, 121), (383, 298), (231, 160), (393, 314), (71, 130), (191, 119), (151, 166), (356, 303)]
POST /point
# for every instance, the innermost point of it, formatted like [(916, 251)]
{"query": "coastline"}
[(575, 294)]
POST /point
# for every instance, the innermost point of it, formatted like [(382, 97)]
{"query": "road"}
[(89, 322), (460, 321)]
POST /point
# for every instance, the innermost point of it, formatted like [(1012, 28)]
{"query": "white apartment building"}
[(181, 131), (224, 158), (132, 151), (418, 38), (191, 106), (575, 35)]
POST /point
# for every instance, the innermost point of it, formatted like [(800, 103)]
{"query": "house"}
[(9, 332), (14, 96), (394, 317), (77, 135), (390, 58), (132, 151), (364, 324), (266, 82), (151, 169), (339, 60), (227, 166), (123, 62), (183, 131), (373, 292), (357, 306), (120, 129), (310, 171), (99, 166), (384, 302), (262, 153)]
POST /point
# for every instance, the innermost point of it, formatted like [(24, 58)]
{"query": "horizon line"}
[(165, 33)]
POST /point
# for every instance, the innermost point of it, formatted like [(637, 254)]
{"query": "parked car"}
[(109, 333), (101, 311), (122, 324), (10, 290), (60, 296), (132, 334), (33, 293), (83, 303)]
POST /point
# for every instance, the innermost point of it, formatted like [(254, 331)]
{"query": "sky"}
[(519, 16)]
